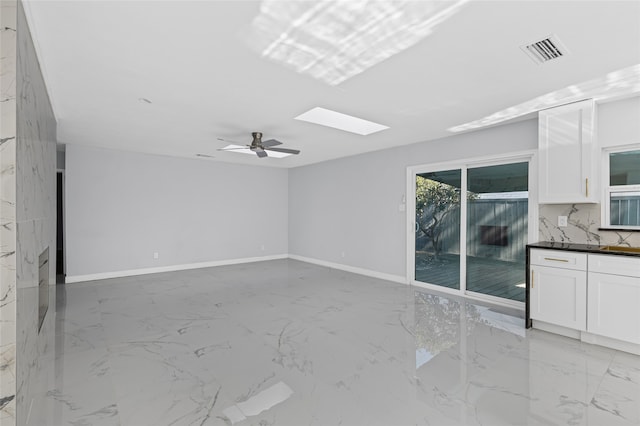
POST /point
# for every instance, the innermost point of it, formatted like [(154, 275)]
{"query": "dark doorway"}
[(59, 228)]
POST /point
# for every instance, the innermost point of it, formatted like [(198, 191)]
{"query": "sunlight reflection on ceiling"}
[(333, 40), (623, 82)]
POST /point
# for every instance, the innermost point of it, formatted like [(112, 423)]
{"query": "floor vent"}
[(545, 50)]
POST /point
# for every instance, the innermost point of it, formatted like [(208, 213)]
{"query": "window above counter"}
[(621, 184)]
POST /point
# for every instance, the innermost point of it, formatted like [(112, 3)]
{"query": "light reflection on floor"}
[(289, 343)]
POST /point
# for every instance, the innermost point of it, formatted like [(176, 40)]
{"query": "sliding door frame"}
[(463, 165)]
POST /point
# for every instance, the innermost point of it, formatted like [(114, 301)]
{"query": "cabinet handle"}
[(531, 279), (587, 185), (556, 260)]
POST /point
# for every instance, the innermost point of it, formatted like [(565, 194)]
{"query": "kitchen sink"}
[(621, 248)]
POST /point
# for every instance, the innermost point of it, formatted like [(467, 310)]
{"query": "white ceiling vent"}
[(545, 50)]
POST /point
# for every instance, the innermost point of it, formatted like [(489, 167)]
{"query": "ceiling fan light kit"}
[(261, 148)]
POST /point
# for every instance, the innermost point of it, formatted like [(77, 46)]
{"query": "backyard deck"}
[(487, 276)]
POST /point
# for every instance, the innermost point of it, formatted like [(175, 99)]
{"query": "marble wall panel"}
[(35, 162), (8, 45), (35, 219), (8, 291), (582, 227)]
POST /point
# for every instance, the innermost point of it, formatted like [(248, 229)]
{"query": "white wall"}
[(619, 122), (122, 207), (350, 205)]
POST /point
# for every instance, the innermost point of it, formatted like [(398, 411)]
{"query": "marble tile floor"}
[(290, 343)]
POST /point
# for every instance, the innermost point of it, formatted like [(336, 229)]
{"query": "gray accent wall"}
[(27, 156), (123, 207), (346, 211)]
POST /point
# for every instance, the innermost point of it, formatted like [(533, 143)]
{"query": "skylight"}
[(333, 40), (338, 120), (244, 150)]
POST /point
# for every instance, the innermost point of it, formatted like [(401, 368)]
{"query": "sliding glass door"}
[(481, 212), (437, 254), (497, 229)]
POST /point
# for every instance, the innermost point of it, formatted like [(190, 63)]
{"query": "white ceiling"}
[(194, 63)]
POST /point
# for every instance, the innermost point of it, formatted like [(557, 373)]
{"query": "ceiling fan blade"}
[(232, 149), (285, 150), (261, 153), (229, 141), (270, 143)]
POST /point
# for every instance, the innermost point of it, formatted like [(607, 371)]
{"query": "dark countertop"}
[(585, 248)]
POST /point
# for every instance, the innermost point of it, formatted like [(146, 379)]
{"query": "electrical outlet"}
[(262, 247), (156, 255), (343, 254), (562, 221)]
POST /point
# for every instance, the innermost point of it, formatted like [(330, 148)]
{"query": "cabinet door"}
[(567, 154), (559, 296), (614, 306)]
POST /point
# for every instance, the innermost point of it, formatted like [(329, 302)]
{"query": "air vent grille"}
[(545, 50)]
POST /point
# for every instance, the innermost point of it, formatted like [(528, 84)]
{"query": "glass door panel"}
[(497, 229), (437, 248)]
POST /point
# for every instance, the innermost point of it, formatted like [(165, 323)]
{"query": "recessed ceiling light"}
[(244, 150), (338, 120), (335, 40)]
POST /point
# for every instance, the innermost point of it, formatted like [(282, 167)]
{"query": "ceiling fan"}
[(259, 147)]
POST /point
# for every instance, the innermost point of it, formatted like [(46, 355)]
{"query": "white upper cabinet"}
[(568, 154)]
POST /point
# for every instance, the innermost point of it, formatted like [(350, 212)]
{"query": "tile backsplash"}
[(582, 227)]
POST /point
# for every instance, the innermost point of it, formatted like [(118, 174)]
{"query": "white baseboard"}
[(360, 271), (587, 337), (620, 345), (171, 268), (556, 329)]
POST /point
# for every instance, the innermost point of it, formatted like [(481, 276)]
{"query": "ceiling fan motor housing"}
[(257, 140)]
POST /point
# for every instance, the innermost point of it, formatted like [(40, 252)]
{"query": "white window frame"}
[(609, 189)]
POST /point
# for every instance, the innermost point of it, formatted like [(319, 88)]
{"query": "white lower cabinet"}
[(559, 296), (594, 295), (558, 288), (614, 297)]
